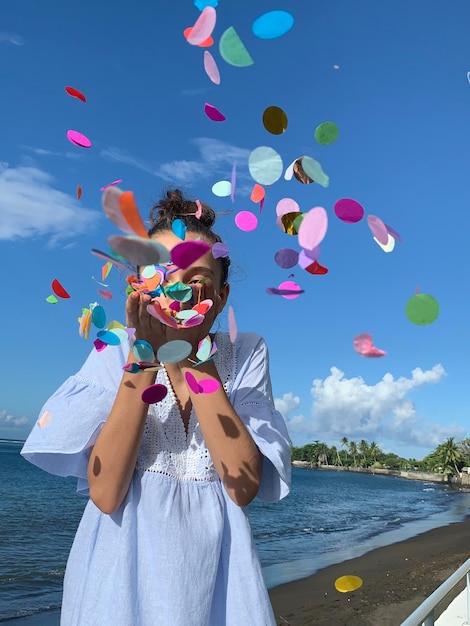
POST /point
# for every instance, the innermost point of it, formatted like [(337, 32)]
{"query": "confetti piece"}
[(257, 193), (378, 229), (206, 385), (313, 169), (287, 205), (115, 182), (75, 93), (364, 345), (45, 419), (105, 270), (154, 393), (131, 212), (222, 189), (108, 337), (289, 171), (272, 25), (111, 259), (275, 120), (179, 291), (142, 350), (348, 210), (198, 213), (203, 306), (179, 228), (52, 299), (300, 173), (210, 67), (207, 43), (246, 221), (326, 133), (233, 182), (98, 316), (156, 311), (313, 228), (393, 233), (265, 165), (104, 293), (121, 333), (174, 351), (203, 26), (232, 324), (185, 254), (213, 113), (79, 192), (389, 246), (316, 268), (286, 258), (287, 289), (290, 222), (202, 4), (422, 309), (112, 209), (232, 49), (78, 139), (59, 290), (99, 345), (344, 584), (220, 250), (139, 251)]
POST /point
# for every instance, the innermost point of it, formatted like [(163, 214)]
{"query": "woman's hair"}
[(175, 206)]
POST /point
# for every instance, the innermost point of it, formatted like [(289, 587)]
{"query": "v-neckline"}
[(187, 429)]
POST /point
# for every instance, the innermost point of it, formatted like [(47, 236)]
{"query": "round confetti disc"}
[(222, 189), (265, 165), (203, 26), (272, 25), (210, 67), (299, 172), (154, 393), (275, 120), (348, 210), (142, 350), (289, 284), (422, 309), (344, 584), (232, 49), (378, 229), (108, 337), (78, 139), (326, 133), (287, 205), (246, 221), (313, 228), (174, 351), (287, 257), (314, 170), (98, 316)]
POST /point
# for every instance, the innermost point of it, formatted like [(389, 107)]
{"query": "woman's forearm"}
[(235, 455), (114, 455)]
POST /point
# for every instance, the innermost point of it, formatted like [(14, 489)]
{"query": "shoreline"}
[(396, 579)]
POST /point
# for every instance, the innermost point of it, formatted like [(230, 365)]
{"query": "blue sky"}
[(401, 100)]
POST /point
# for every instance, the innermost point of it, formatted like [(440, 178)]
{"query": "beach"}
[(397, 579)]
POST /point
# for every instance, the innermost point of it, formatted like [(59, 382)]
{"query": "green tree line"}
[(449, 457)]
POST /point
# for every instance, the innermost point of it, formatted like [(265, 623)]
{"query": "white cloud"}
[(287, 404), (16, 40), (216, 160), (31, 207), (6, 419), (352, 408)]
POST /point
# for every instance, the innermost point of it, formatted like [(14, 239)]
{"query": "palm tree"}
[(353, 451), (335, 455), (451, 456), (374, 451), (344, 444), (323, 453), (364, 449)]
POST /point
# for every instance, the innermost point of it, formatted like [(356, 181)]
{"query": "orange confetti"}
[(207, 43), (257, 193), (105, 270), (79, 192), (131, 214)]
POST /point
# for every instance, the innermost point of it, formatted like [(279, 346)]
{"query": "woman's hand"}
[(147, 327)]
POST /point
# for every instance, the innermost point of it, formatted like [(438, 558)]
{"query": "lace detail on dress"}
[(166, 448)]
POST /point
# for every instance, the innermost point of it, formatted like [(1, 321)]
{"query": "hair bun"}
[(175, 205)]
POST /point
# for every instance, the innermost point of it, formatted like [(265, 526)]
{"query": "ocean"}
[(328, 517)]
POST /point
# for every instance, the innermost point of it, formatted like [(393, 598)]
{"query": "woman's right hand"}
[(147, 327)]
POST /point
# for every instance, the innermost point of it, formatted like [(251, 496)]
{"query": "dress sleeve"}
[(71, 419), (252, 399)]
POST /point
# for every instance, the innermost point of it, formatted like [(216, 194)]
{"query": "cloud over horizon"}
[(31, 207), (349, 407)]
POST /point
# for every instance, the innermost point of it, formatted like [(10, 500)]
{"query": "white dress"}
[(178, 552)]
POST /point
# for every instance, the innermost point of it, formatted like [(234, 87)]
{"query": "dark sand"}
[(397, 579)]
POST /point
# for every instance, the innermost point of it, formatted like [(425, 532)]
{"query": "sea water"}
[(328, 517)]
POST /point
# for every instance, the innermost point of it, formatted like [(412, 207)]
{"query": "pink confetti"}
[(154, 394), (364, 345), (104, 293), (233, 182), (378, 229), (206, 385), (78, 139), (213, 113), (203, 26), (211, 68), (312, 229), (348, 210), (115, 182), (198, 213), (156, 310), (393, 233), (232, 324), (45, 419), (246, 221), (185, 254)]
